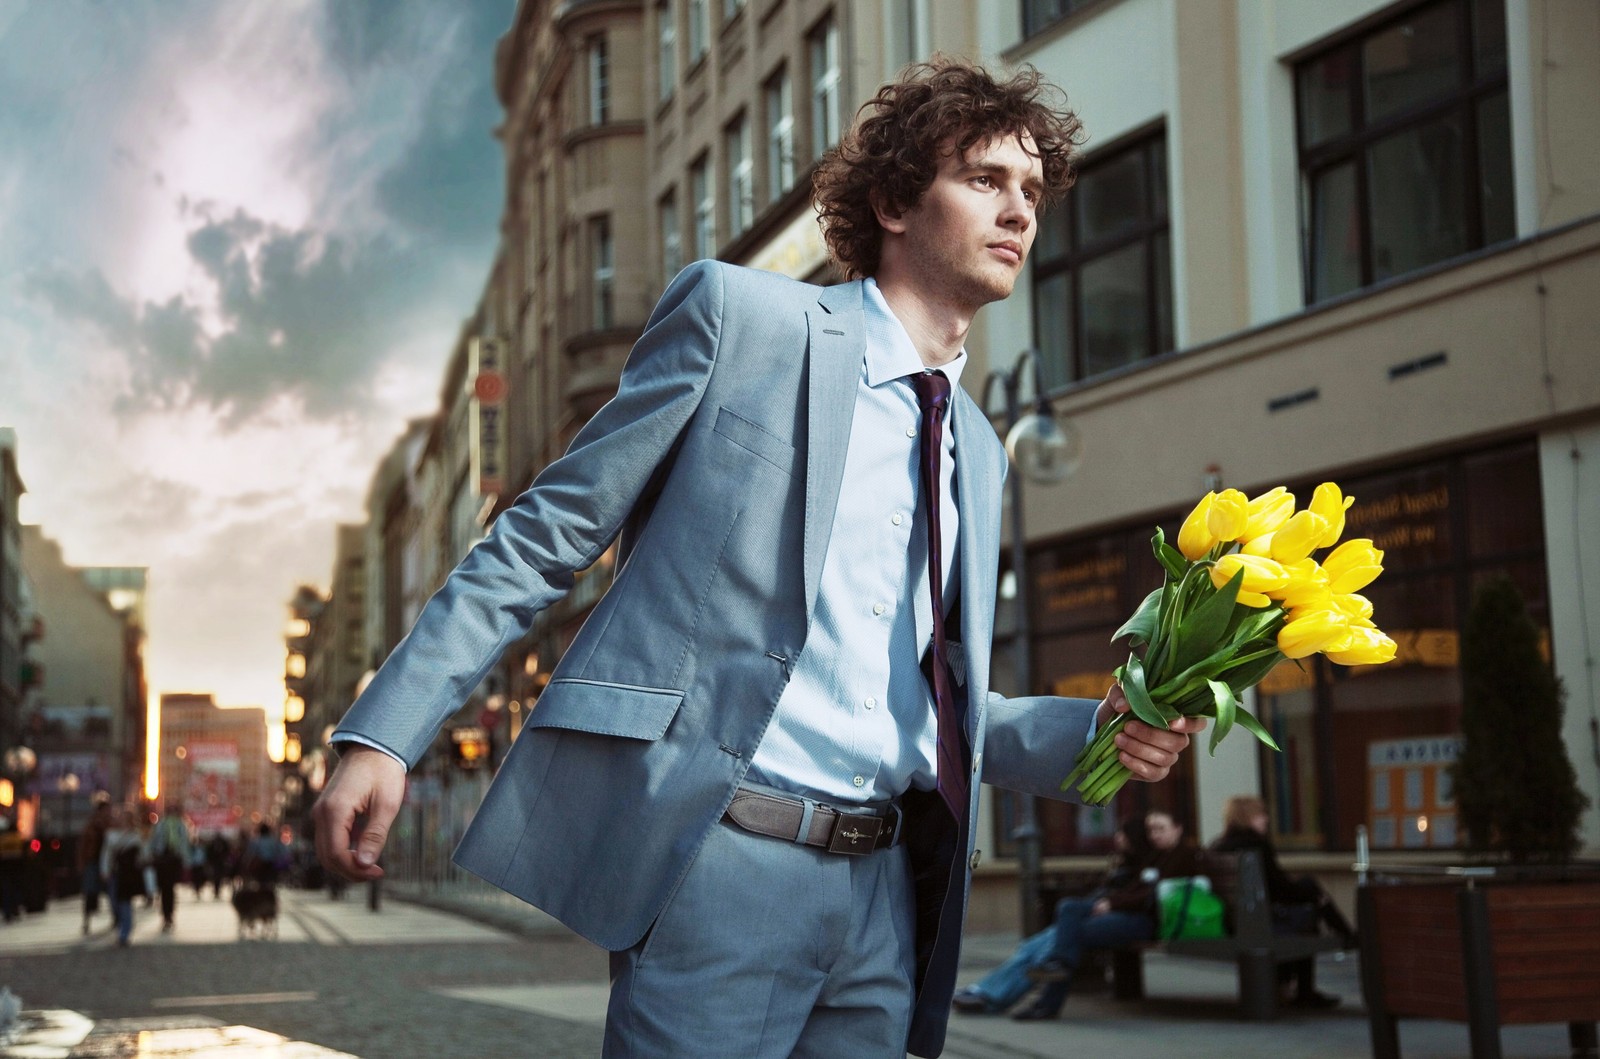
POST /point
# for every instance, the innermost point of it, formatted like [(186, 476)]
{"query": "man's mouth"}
[(1008, 251)]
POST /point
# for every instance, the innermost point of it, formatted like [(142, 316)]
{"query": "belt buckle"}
[(855, 834)]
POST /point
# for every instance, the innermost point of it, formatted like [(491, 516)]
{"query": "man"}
[(753, 776), (169, 853), (89, 846), (1111, 919)]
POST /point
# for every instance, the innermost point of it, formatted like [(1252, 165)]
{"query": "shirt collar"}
[(890, 352)]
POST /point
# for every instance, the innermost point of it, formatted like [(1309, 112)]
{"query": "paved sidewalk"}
[(1190, 1008)]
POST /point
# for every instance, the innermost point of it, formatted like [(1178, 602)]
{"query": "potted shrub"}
[(1518, 942)]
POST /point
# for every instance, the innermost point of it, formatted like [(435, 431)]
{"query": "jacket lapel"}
[(978, 502), (835, 349)]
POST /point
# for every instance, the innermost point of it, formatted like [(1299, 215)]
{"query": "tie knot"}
[(933, 389)]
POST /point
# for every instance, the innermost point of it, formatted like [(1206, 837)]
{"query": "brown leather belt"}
[(829, 829)]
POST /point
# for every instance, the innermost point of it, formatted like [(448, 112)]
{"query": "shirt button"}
[(878, 608), (896, 519), (871, 703), (859, 781), (977, 856), (911, 432)]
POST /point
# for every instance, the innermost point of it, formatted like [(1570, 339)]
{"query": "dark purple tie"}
[(933, 394)]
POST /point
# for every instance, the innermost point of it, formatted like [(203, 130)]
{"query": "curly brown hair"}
[(892, 154)]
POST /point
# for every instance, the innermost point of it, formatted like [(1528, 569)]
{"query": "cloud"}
[(300, 314)]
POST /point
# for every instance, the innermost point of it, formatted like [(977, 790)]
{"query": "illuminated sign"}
[(486, 380)]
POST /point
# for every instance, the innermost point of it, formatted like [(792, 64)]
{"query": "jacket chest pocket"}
[(754, 439)]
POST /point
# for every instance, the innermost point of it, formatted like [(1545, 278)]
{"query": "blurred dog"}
[(257, 907)]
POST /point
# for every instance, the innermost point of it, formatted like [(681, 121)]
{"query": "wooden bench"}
[(1258, 952)]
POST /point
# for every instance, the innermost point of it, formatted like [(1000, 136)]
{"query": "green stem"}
[(1113, 782)]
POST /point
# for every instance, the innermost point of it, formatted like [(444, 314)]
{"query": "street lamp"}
[(1046, 452)]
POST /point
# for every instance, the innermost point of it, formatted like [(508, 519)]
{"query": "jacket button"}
[(972, 861)]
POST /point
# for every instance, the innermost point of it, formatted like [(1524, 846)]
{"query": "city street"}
[(424, 982), (386, 984)]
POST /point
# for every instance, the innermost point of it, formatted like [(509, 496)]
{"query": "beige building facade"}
[(214, 763), (1352, 241)]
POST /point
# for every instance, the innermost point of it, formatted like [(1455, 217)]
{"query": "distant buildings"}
[(214, 763)]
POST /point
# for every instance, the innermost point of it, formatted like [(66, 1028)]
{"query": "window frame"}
[(666, 52), (670, 224), (739, 172), (1354, 147), (599, 71), (777, 94), (826, 75), (698, 16), (603, 272), (703, 196), (1152, 231)]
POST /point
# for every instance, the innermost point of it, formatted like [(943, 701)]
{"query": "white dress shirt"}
[(856, 722)]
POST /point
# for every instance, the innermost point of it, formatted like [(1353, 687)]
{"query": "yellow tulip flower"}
[(1228, 516), (1357, 608), (1297, 538), (1267, 512), (1307, 586), (1253, 599), (1217, 518), (1330, 502), (1195, 537), (1260, 575), (1258, 546), (1317, 630), (1367, 647), (1352, 566)]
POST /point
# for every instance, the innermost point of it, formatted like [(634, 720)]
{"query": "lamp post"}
[(1046, 453)]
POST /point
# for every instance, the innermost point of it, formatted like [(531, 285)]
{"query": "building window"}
[(602, 258), (731, 9), (699, 29), (823, 47), (599, 80), (741, 176), (780, 135), (1102, 274), (671, 238), (705, 208), (1405, 146), (666, 51), (1041, 14)]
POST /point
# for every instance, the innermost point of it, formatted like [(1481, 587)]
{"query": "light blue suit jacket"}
[(719, 464)]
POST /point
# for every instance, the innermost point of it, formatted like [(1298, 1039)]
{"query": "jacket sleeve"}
[(1031, 741), (559, 526)]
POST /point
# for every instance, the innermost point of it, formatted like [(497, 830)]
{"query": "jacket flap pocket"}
[(747, 435), (606, 709)]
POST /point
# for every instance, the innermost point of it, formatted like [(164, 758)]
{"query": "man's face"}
[(1163, 831), (967, 239)]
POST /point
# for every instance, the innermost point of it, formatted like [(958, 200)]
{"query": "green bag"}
[(1189, 909)]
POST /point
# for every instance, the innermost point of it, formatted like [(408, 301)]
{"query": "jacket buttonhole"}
[(730, 750)]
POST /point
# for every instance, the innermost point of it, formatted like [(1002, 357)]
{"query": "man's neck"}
[(937, 329)]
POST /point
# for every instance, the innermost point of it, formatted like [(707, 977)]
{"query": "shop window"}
[(1371, 745), (1405, 146), (1102, 295)]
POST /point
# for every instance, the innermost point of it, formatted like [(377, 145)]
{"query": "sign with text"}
[(486, 377)]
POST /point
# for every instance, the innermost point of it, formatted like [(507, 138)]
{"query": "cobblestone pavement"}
[(405, 981)]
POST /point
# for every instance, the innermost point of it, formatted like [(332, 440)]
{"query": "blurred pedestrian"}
[(169, 853), (90, 844), (11, 853), (122, 863), (219, 855), (265, 857)]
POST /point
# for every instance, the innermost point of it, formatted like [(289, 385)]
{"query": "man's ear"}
[(889, 219)]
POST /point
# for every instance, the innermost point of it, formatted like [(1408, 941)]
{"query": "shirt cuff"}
[(339, 739)]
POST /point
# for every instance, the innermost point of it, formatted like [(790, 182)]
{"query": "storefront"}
[(1366, 746)]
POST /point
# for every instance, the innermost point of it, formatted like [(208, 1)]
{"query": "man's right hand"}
[(369, 782)]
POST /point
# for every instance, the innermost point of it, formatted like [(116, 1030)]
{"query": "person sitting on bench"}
[(1298, 904), (1119, 918)]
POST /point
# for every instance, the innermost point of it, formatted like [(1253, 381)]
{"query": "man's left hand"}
[(1149, 753)]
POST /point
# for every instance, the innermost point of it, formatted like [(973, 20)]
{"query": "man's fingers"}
[(380, 816), (366, 782)]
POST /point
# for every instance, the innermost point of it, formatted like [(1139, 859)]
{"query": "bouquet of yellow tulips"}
[(1242, 593)]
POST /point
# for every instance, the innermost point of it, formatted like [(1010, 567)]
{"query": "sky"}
[(237, 242)]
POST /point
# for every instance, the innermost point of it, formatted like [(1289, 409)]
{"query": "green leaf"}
[(1226, 706), (1169, 557), (1253, 726), (1199, 632), (1141, 628), (1251, 671), (1250, 623), (1132, 678)]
